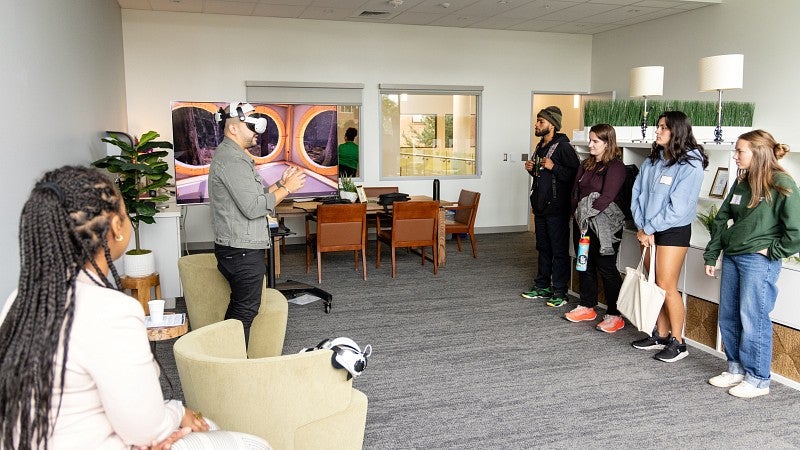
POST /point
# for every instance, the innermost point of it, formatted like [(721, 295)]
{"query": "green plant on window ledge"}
[(141, 172), (348, 185), (707, 218)]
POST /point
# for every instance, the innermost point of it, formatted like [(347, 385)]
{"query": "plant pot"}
[(139, 265), (347, 195)]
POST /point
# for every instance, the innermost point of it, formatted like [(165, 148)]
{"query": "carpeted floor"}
[(462, 361)]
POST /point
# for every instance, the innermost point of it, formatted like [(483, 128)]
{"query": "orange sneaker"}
[(581, 314), (611, 324)]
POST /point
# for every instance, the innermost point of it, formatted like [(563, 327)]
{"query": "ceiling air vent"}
[(370, 14)]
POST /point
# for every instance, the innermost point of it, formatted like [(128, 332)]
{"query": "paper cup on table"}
[(156, 311)]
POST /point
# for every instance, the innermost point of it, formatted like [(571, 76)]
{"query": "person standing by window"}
[(348, 154), (764, 205), (664, 204), (553, 168), (598, 216)]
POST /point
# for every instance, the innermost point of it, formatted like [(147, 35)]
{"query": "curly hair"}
[(63, 227), (681, 141)]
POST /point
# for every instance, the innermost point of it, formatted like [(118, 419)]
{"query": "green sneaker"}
[(558, 300), (538, 292)]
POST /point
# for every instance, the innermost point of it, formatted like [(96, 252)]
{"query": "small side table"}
[(140, 288), (164, 333)]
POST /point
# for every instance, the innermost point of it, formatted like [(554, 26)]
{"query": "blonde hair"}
[(764, 166)]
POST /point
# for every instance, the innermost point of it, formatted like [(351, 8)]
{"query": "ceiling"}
[(560, 16)]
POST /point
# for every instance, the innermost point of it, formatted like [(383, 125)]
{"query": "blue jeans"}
[(747, 296), (552, 244)]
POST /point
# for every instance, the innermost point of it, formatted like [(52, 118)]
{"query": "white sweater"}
[(112, 397)]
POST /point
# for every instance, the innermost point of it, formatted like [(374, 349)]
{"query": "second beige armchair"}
[(295, 402), (207, 295)]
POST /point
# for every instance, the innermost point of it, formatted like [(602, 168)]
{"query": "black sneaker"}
[(673, 351), (654, 342)]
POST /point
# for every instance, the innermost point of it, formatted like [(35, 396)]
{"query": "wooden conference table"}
[(301, 209)]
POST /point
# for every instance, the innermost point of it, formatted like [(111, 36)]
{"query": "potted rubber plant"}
[(141, 173)]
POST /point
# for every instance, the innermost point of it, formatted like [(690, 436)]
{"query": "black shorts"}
[(674, 237)]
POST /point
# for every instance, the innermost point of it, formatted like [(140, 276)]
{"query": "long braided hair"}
[(63, 227)]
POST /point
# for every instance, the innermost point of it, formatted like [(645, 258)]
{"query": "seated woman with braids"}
[(76, 371)]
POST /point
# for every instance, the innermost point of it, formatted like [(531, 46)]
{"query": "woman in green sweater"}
[(764, 205)]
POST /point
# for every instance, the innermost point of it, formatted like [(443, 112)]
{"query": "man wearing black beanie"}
[(553, 168)]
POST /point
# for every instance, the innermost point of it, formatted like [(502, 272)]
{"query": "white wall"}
[(176, 56), (62, 83), (765, 32)]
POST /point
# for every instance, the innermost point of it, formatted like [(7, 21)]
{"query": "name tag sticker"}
[(665, 180), (736, 199)]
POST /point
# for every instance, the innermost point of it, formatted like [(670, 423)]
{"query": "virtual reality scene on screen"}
[(301, 135)]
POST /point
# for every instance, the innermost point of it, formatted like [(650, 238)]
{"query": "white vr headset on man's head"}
[(236, 109)]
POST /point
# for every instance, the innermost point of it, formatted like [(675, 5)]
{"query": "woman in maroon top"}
[(604, 173)]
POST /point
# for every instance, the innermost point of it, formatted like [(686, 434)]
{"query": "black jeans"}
[(244, 268), (552, 244), (606, 266)]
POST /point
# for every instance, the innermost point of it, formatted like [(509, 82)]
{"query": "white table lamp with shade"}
[(719, 73), (646, 81)]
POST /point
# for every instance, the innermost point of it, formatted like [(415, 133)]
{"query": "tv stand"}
[(289, 288)]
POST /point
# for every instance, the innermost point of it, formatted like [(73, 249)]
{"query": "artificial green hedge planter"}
[(702, 113)]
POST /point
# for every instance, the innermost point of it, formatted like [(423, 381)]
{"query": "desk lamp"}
[(646, 81), (718, 73)]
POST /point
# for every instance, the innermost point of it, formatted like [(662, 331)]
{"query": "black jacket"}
[(543, 200)]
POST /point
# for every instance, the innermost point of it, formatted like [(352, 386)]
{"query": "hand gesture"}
[(548, 163), (166, 444), (293, 178), (528, 165)]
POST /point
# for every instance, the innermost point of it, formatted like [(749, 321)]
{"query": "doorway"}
[(571, 105)]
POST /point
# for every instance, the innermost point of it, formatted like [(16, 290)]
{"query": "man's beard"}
[(541, 132)]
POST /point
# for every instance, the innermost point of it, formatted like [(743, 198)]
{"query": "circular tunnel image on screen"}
[(320, 138)]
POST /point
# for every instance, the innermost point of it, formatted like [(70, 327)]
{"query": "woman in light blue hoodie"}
[(663, 203)]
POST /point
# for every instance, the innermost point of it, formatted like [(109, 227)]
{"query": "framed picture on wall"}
[(720, 184)]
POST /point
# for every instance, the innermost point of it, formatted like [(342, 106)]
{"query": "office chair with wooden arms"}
[(414, 224), (340, 227), (373, 193), (464, 220)]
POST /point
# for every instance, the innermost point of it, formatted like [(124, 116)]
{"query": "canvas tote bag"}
[(640, 299)]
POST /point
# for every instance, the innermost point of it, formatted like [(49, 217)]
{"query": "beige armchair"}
[(296, 401), (207, 295)]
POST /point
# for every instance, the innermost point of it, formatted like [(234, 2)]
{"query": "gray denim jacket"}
[(239, 201), (605, 224)]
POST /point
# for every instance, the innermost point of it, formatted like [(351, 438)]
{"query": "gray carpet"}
[(461, 361)]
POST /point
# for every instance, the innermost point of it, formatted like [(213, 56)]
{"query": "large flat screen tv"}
[(300, 135)]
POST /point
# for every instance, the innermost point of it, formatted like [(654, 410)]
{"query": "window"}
[(429, 131)]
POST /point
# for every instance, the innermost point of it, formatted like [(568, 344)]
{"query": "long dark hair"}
[(63, 226), (681, 141)]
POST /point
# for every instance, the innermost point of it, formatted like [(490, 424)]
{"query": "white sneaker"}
[(726, 380), (747, 390)]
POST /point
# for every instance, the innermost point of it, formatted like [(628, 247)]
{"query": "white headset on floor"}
[(347, 354)]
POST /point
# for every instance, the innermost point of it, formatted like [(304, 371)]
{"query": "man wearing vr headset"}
[(239, 205)]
